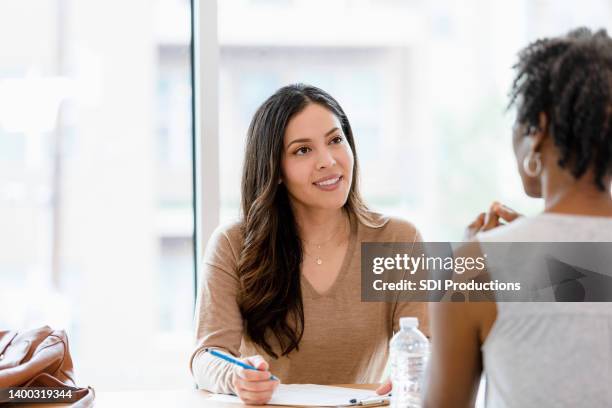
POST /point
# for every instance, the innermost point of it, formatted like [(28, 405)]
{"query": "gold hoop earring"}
[(532, 157)]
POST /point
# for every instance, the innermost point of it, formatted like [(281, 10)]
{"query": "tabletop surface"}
[(167, 398)]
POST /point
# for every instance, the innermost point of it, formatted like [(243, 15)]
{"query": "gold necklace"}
[(319, 260)]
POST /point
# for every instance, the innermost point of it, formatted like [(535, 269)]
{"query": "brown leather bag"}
[(39, 358)]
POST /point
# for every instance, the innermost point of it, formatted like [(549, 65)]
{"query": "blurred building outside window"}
[(96, 183)]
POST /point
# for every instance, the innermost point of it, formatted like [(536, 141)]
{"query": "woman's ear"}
[(540, 133)]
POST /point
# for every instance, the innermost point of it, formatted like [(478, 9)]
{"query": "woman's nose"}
[(326, 159)]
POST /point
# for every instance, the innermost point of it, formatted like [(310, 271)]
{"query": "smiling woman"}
[(282, 287), (325, 150)]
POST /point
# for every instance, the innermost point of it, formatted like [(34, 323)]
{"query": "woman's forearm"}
[(212, 374)]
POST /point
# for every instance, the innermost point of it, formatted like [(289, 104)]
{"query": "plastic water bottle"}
[(409, 352)]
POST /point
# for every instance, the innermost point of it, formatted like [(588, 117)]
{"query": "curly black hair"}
[(569, 78)]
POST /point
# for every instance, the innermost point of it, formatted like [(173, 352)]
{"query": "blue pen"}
[(234, 361)]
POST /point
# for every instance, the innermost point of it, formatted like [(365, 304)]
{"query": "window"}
[(424, 84), (96, 184)]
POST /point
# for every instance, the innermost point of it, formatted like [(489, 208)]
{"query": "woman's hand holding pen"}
[(254, 387), (491, 219)]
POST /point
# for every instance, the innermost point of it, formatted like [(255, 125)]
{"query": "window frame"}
[(205, 117)]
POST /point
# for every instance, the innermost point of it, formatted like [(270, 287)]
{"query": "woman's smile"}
[(328, 183)]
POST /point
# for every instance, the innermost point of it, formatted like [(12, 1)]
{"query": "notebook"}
[(312, 395)]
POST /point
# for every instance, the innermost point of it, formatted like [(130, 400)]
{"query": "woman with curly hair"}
[(542, 354)]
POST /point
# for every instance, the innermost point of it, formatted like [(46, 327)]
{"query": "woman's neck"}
[(318, 226), (566, 195)]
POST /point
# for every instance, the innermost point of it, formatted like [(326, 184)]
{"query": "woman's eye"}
[(302, 151), (337, 139)]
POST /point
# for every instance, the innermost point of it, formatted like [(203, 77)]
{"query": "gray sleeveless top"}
[(550, 354)]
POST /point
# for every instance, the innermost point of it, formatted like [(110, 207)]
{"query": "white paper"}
[(308, 395)]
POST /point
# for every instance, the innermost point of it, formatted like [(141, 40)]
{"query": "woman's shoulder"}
[(388, 228), (552, 228), (224, 243), (230, 230)]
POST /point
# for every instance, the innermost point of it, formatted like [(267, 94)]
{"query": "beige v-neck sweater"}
[(345, 340)]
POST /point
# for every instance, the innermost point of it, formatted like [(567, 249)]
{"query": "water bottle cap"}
[(409, 322)]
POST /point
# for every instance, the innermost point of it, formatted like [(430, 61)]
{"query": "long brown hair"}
[(269, 297)]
